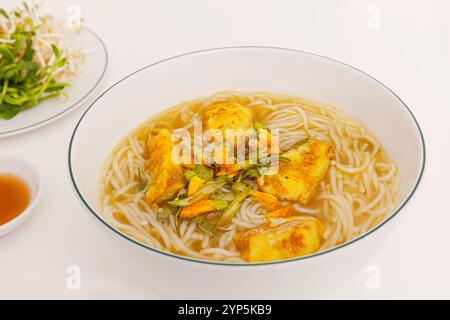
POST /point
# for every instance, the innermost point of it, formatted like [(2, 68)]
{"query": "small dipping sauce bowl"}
[(19, 172)]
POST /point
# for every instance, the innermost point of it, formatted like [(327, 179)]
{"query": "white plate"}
[(81, 88)]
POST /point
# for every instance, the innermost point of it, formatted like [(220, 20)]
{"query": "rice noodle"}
[(359, 191)]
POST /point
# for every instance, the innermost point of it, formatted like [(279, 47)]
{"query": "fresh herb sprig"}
[(23, 81)]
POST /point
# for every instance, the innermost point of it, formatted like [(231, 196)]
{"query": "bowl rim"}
[(74, 105), (250, 264), (13, 224)]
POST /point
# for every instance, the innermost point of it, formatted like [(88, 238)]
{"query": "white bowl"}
[(161, 85), (24, 170)]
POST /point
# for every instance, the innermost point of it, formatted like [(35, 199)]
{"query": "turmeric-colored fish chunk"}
[(297, 179), (228, 115), (167, 177), (293, 237)]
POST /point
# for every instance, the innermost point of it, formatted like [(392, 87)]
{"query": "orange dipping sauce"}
[(15, 197)]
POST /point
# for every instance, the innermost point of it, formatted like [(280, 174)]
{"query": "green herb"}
[(233, 208), (251, 173), (207, 226), (207, 189), (258, 125), (23, 82), (4, 13), (225, 179), (201, 171), (250, 170), (182, 195), (187, 201), (26, 6), (245, 165), (239, 187), (188, 174), (284, 159), (220, 204), (222, 196)]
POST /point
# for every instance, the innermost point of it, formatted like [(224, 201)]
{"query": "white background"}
[(410, 53)]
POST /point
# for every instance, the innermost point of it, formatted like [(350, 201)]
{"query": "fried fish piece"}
[(298, 178), (167, 176), (228, 115), (292, 237)]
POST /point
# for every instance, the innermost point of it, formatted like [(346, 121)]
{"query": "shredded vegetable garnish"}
[(36, 62)]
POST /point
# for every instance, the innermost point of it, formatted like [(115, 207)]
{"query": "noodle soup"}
[(317, 179)]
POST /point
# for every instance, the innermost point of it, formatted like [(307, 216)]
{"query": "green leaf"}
[(207, 189), (4, 13), (4, 91), (251, 173), (258, 125), (188, 174), (207, 226), (203, 172), (222, 196), (25, 5), (220, 204), (239, 187), (60, 63), (56, 51), (187, 201), (29, 51), (23, 82), (284, 159), (9, 113), (56, 86), (7, 54), (15, 101)]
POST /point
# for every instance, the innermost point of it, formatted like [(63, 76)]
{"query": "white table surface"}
[(409, 52)]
